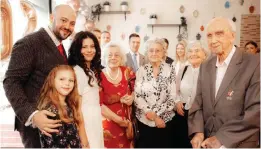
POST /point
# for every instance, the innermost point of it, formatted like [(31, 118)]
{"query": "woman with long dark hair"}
[(251, 47), (85, 56)]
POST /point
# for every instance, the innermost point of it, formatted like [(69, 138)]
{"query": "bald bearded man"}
[(32, 58)]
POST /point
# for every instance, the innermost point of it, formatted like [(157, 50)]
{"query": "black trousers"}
[(153, 137), (30, 136), (181, 126)]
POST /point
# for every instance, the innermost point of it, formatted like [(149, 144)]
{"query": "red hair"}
[(49, 96)]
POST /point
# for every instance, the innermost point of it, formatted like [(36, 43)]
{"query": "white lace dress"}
[(90, 108)]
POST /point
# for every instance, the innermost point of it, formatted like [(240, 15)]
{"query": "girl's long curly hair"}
[(49, 96), (76, 57)]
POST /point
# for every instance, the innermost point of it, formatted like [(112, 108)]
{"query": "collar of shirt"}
[(194, 69), (132, 53), (228, 59), (53, 37), (137, 57)]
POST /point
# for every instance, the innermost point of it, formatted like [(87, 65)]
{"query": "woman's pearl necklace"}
[(109, 75)]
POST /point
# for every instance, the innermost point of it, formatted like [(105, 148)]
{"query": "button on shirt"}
[(222, 68)]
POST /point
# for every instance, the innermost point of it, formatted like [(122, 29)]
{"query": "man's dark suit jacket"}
[(32, 58)]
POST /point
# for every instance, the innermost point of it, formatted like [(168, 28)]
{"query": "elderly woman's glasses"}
[(195, 50), (154, 50), (114, 55)]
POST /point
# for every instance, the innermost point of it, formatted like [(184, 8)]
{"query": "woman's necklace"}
[(109, 75)]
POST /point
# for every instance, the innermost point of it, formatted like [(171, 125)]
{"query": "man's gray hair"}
[(230, 22)]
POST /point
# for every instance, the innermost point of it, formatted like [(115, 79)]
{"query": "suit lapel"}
[(141, 60), (50, 44), (230, 74), (130, 61), (212, 74)]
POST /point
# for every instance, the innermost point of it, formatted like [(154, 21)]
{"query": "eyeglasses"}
[(114, 55), (194, 50), (154, 51)]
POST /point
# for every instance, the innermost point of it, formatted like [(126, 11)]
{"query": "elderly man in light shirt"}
[(226, 110)]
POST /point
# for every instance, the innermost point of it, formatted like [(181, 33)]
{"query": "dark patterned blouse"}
[(67, 137), (155, 94)]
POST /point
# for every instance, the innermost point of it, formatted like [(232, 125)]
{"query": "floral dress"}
[(67, 137), (115, 135)]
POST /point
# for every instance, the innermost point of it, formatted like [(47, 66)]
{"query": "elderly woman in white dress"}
[(155, 90), (186, 89), (85, 56)]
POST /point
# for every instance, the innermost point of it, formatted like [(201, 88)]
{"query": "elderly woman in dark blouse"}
[(155, 90)]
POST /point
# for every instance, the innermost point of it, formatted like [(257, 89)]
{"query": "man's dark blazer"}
[(32, 58)]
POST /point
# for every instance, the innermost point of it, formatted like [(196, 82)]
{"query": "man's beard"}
[(60, 37)]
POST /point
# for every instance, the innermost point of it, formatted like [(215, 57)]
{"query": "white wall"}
[(168, 12), (20, 21), (19, 25)]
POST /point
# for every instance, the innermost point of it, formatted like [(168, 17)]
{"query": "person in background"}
[(186, 90), (134, 58), (59, 95), (168, 60), (97, 33), (89, 25), (181, 59), (226, 109), (105, 38), (116, 98), (155, 93), (32, 58), (251, 47), (84, 55)]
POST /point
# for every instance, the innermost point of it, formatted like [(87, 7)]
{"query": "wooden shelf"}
[(163, 25), (113, 12)]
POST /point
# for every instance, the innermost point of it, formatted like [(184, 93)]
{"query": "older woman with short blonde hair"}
[(155, 90), (186, 89)]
